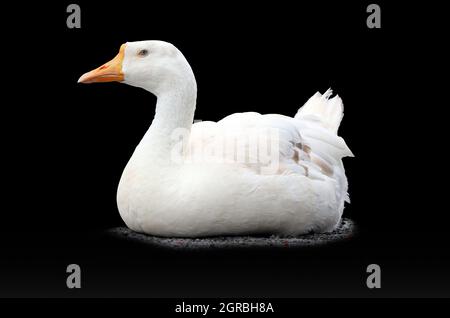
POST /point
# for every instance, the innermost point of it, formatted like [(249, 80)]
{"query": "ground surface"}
[(344, 231)]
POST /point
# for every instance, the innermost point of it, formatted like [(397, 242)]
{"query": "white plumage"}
[(222, 178)]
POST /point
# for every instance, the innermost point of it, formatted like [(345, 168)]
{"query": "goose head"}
[(156, 66)]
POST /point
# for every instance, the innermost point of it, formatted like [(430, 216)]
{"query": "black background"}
[(65, 145)]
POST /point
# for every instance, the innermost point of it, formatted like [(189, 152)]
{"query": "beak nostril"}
[(102, 67)]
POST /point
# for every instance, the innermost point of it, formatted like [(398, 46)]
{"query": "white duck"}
[(166, 191)]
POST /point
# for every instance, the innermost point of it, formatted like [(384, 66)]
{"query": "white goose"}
[(166, 191)]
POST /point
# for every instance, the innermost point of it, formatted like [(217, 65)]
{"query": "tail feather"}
[(320, 107)]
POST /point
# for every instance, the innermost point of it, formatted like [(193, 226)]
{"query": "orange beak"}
[(109, 72)]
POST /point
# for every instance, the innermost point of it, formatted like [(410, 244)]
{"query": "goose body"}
[(246, 174)]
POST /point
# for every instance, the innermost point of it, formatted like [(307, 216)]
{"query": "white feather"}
[(321, 108)]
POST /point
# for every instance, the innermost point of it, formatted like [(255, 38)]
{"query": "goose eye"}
[(143, 53)]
